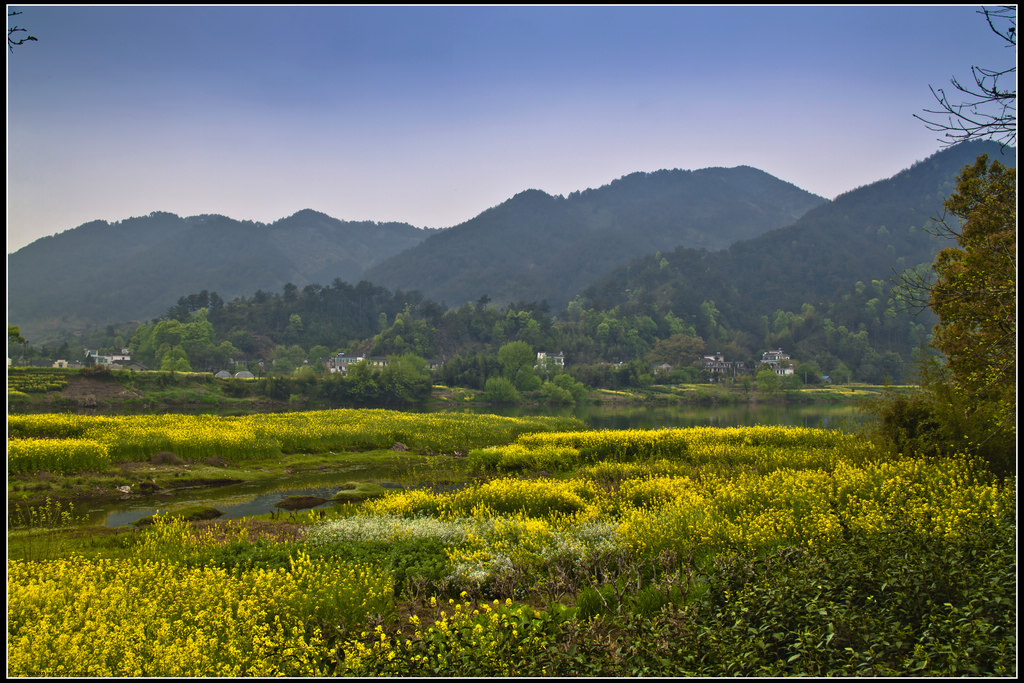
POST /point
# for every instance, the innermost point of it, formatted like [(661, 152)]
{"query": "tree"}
[(11, 30), (500, 390), (989, 110), (405, 379), (768, 381), (679, 349), (175, 360), (967, 404), (362, 382), (515, 356), (14, 335), (975, 293)]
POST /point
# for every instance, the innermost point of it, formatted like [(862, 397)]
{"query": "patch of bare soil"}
[(86, 389), (276, 531)]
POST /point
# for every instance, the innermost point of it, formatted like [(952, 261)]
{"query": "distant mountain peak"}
[(563, 243), (310, 213), (531, 195)]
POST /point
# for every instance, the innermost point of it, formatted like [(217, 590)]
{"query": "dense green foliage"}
[(975, 295)]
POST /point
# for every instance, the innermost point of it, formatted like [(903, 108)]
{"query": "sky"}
[(430, 115)]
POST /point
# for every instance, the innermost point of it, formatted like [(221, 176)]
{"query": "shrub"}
[(500, 390), (888, 603)]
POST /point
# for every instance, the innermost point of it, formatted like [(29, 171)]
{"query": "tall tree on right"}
[(968, 400), (975, 293)]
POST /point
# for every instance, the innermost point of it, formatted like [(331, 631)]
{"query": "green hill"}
[(537, 247), (135, 269), (866, 234)]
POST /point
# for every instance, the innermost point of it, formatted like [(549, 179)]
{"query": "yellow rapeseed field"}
[(636, 494)]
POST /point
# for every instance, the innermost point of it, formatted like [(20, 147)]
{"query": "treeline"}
[(861, 336)]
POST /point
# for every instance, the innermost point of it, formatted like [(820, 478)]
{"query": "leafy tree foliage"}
[(514, 356), (968, 403), (679, 349), (500, 390), (14, 335), (406, 379), (975, 294)]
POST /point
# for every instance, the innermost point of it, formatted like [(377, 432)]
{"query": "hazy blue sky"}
[(430, 115)]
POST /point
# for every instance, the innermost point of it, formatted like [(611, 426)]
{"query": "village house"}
[(662, 369), (123, 357), (339, 363), (550, 360), (779, 361), (717, 366)]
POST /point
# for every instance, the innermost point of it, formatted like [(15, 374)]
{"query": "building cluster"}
[(715, 365), (778, 361), (94, 357)]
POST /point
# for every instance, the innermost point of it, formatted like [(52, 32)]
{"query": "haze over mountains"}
[(731, 234)]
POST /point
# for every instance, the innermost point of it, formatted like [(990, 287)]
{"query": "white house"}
[(550, 360), (779, 361), (123, 357)]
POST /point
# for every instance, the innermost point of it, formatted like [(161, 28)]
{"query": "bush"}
[(880, 604), (237, 388), (500, 390), (937, 421)]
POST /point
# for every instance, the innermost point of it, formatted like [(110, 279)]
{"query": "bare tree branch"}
[(986, 110), (11, 30)]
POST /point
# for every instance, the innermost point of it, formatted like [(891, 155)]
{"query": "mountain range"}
[(732, 234), (536, 246)]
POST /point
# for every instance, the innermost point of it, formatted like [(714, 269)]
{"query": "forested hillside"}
[(537, 247), (134, 269)]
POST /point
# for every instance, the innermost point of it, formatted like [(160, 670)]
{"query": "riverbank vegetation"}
[(563, 551), (112, 391)]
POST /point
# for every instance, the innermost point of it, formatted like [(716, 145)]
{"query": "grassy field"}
[(556, 551)]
